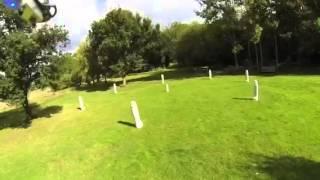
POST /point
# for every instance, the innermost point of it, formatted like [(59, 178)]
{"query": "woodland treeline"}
[(249, 33)]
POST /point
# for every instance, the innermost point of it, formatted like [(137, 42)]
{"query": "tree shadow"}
[(127, 124), (46, 112), (172, 74), (95, 87), (287, 167), (196, 72), (244, 99), (298, 70), (16, 118), (289, 70)]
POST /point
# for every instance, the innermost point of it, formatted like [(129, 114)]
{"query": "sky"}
[(78, 15)]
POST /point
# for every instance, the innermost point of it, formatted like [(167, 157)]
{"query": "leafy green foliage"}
[(274, 32), (20, 65), (82, 56), (65, 72), (256, 38), (130, 63), (170, 37), (318, 23), (203, 45), (122, 43), (26, 58)]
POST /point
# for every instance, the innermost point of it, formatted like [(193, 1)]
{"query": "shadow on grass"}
[(285, 70), (127, 124), (16, 118), (287, 167), (95, 87), (243, 99), (172, 74), (187, 73)]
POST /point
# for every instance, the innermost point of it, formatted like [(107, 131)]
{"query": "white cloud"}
[(161, 11), (77, 16)]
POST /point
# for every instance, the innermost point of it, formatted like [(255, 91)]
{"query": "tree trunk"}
[(289, 60), (235, 55), (124, 81), (98, 78), (257, 56), (236, 62), (261, 54), (105, 79), (276, 50), (163, 62), (27, 108), (88, 81), (80, 82), (249, 52)]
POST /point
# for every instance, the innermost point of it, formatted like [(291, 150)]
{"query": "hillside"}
[(202, 129)]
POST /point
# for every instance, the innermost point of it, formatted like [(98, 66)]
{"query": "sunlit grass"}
[(200, 130)]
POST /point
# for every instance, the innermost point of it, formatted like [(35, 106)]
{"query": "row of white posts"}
[(134, 105), (256, 84), (115, 88)]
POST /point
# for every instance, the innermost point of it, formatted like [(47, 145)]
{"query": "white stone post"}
[(115, 88), (81, 104), (256, 90), (162, 78), (167, 88), (247, 76), (136, 114), (210, 74)]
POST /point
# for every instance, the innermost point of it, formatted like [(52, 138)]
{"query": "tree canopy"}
[(280, 31), (237, 33), (124, 42), (26, 57)]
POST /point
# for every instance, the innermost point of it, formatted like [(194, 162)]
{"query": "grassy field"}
[(203, 129)]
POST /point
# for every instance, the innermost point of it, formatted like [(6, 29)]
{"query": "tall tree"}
[(230, 13), (65, 69), (171, 36), (121, 41), (26, 61), (82, 58)]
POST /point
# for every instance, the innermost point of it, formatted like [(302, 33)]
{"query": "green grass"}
[(198, 131)]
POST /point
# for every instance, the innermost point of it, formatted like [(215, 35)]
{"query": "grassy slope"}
[(198, 131)]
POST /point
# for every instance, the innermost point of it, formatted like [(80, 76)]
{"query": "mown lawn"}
[(203, 129)]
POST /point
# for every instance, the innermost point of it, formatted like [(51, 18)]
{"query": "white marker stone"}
[(256, 90), (162, 78), (210, 74), (124, 81), (247, 76), (81, 104), (167, 88), (115, 88), (136, 114)]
